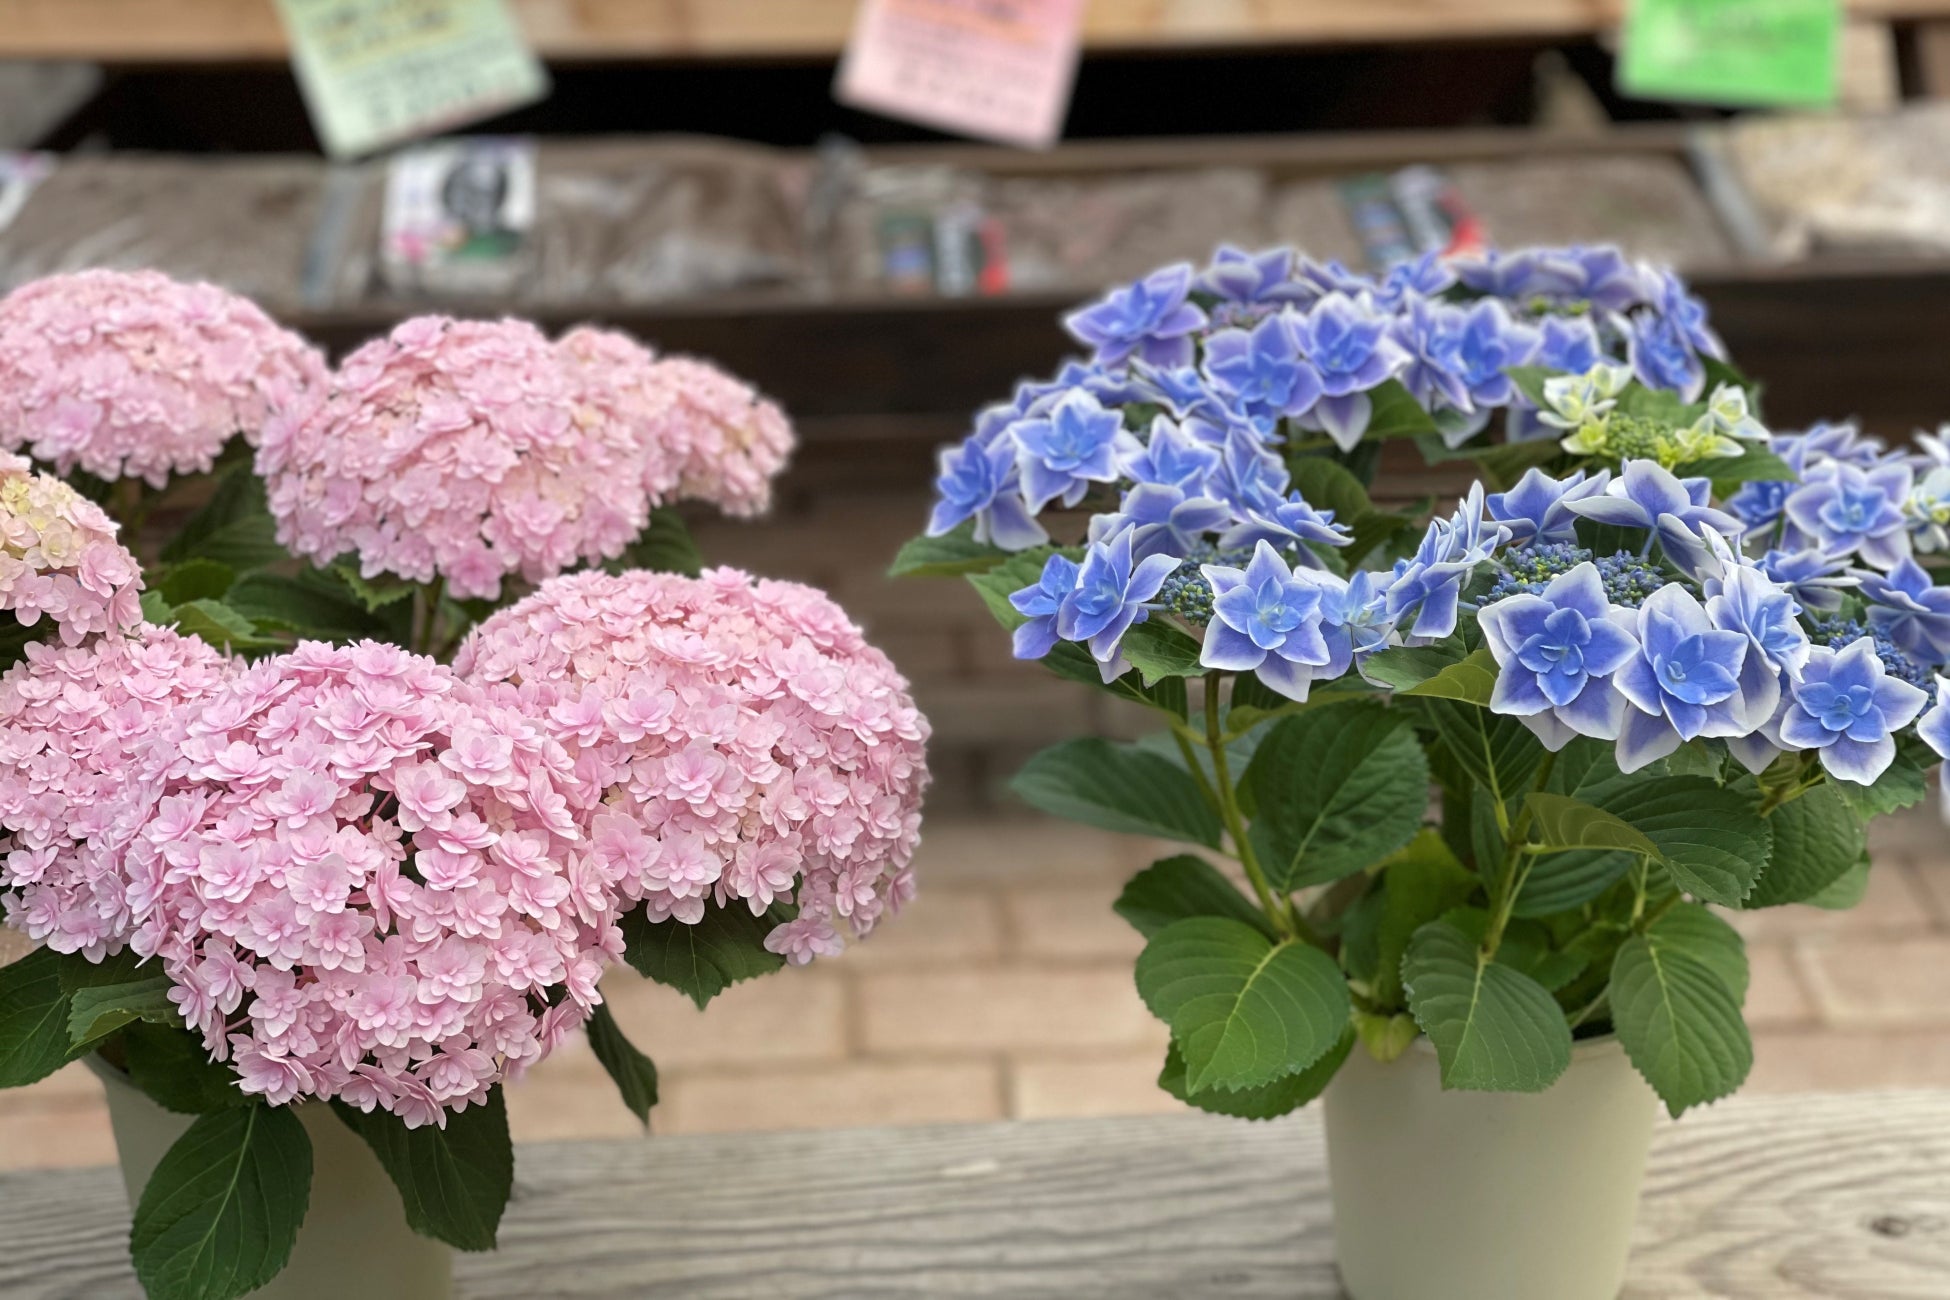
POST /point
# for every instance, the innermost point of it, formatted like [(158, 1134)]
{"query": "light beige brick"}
[(1062, 1088), (939, 929), (1070, 924), (1832, 1060), (1030, 847), (1014, 1008), (1878, 980), (64, 1136), (1931, 882), (1775, 996), (1891, 906), (1914, 835), (570, 1097), (849, 1096), (792, 1015)]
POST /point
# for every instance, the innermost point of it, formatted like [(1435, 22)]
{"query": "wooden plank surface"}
[(239, 30), (1772, 1198)]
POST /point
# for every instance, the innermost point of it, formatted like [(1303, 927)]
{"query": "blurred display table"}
[(1781, 1198)]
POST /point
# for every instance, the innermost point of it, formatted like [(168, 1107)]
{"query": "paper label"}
[(1732, 51), (993, 69), (377, 72), (458, 211)]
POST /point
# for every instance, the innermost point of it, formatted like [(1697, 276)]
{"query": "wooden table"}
[(1778, 1198)]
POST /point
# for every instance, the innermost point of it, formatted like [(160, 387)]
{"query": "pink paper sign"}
[(995, 69)]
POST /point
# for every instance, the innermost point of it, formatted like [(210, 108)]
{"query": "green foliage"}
[(1709, 836), (1493, 750), (1677, 1018), (98, 1011), (223, 1207), (1334, 790), (1243, 1009), (1416, 886), (1901, 786), (953, 553), (1754, 464), (1158, 650), (453, 1182), (1493, 1027), (1266, 1101), (1402, 667), (634, 1073), (702, 960), (1471, 680), (34, 1040), (1559, 822), (1817, 839), (171, 1066), (1396, 414), (1530, 382), (664, 546), (196, 580), (234, 528), (1172, 889), (1118, 788)]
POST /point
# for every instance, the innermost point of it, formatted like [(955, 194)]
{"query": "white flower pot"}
[(1482, 1195), (354, 1242)]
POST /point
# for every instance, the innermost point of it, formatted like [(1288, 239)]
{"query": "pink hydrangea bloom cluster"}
[(705, 435), (361, 874), (750, 744), (130, 374), (454, 449), (59, 557), (74, 722)]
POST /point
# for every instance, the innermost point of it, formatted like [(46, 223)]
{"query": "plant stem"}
[(1278, 910), (1516, 863), (1197, 770)]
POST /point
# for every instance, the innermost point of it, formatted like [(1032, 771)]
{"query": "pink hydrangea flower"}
[(751, 746), (130, 374), (73, 723), (364, 877), (59, 558), (705, 435), (455, 449)]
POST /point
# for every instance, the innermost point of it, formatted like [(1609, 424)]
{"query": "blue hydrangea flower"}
[(1645, 495), (1757, 503), (1260, 371), (1422, 278), (1742, 599), (1662, 357), (1249, 477), (1928, 508), (1914, 613), (1163, 519), (1683, 683), (1569, 344), (1063, 453), (1250, 279), (1353, 617), (1151, 319), (1556, 652), (1607, 278), (1111, 592), (1824, 441), (1539, 508), (1352, 347), (1813, 577), (1289, 525), (1038, 637), (1431, 334), (1551, 273), (1682, 311), (1182, 390), (1172, 456), (1842, 508), (1429, 583), (1934, 726), (981, 482), (1331, 277), (1844, 705), (1266, 619), (1491, 343)]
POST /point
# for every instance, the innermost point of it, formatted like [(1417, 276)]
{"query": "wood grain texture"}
[(138, 31), (1774, 1198)]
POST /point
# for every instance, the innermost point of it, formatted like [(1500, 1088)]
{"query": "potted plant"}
[(428, 716), (1657, 664)]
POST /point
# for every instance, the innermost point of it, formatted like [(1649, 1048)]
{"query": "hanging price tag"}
[(376, 72), (1732, 51), (993, 69)]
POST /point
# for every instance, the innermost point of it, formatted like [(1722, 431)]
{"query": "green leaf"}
[(1693, 928), (453, 1182), (1243, 1010), (1073, 663), (702, 960), (1471, 681), (1712, 840), (1396, 414), (1755, 464), (1158, 650), (664, 546), (1328, 485), (1175, 888), (172, 1067), (234, 528), (311, 604), (1494, 1028), (1267, 1101), (223, 1207), (1117, 788), (1404, 666), (1335, 790), (945, 556), (217, 624), (635, 1074), (1901, 786), (1816, 840), (33, 1019), (1846, 892), (374, 593), (1495, 750), (1558, 822), (196, 580), (1678, 1021), (95, 1013), (247, 544), (1415, 887), (1657, 404)]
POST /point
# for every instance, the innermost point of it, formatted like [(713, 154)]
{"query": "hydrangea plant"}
[(1657, 664), (416, 731)]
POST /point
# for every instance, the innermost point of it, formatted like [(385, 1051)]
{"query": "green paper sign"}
[(377, 72), (1732, 51)]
